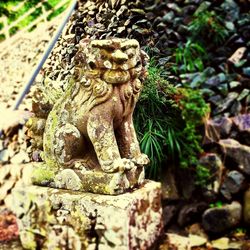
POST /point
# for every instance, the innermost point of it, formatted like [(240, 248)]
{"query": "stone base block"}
[(50, 218), (94, 181)]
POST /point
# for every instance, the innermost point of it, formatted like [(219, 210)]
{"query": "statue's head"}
[(115, 60)]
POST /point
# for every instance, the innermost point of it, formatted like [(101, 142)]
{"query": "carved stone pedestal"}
[(63, 219)]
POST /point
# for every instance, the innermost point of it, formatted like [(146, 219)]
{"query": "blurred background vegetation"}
[(16, 15)]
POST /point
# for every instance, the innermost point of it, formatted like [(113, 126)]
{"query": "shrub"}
[(167, 120)]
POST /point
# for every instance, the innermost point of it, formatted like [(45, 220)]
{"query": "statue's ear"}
[(144, 58)]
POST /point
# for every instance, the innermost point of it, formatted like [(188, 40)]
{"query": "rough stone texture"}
[(213, 162), (242, 123), (246, 207), (190, 213), (218, 220), (217, 129), (88, 181), (61, 219), (232, 184), (90, 127), (238, 152)]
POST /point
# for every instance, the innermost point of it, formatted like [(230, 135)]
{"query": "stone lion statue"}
[(90, 128)]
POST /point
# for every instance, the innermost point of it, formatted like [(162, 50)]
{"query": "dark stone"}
[(223, 88), (244, 93), (233, 183), (218, 128), (191, 213), (238, 152), (232, 10), (246, 70), (242, 122), (213, 81), (226, 103), (168, 18), (216, 100), (213, 162), (169, 212), (218, 220), (236, 108)]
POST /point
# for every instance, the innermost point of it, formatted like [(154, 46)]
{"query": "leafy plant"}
[(157, 132), (218, 204), (190, 56), (208, 26), (167, 121)]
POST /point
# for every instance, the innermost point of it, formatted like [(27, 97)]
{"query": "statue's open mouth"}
[(116, 76)]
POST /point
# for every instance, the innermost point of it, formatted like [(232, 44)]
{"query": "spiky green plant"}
[(190, 56), (167, 120), (208, 26)]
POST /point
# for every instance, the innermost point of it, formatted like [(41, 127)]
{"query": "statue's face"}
[(116, 61)]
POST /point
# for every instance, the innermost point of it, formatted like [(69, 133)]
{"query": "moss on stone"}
[(42, 174)]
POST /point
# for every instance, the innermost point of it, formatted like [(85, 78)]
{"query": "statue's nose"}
[(119, 56)]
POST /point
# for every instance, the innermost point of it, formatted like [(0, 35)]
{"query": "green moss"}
[(28, 240), (42, 174)]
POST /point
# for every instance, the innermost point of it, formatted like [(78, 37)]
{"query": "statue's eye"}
[(138, 64), (130, 52), (92, 65)]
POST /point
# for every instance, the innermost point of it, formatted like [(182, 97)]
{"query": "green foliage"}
[(58, 11), (167, 120), (6, 8), (218, 204), (208, 26), (190, 56), (155, 130), (194, 110)]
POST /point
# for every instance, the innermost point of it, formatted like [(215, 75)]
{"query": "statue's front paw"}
[(142, 160), (119, 165)]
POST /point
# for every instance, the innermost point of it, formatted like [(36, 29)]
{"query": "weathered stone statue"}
[(89, 144), (89, 135)]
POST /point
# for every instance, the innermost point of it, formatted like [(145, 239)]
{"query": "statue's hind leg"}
[(69, 144)]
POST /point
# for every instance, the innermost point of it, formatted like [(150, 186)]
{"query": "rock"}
[(5, 188), (226, 103), (246, 71), (217, 128), (196, 229), (244, 93), (246, 207), (21, 157), (233, 183), (213, 162), (168, 18), (218, 220), (238, 152), (234, 84), (169, 212), (235, 108), (223, 88), (4, 156), (216, 100), (190, 213), (222, 243), (65, 218), (196, 241), (177, 242), (237, 55), (8, 226), (242, 122)]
